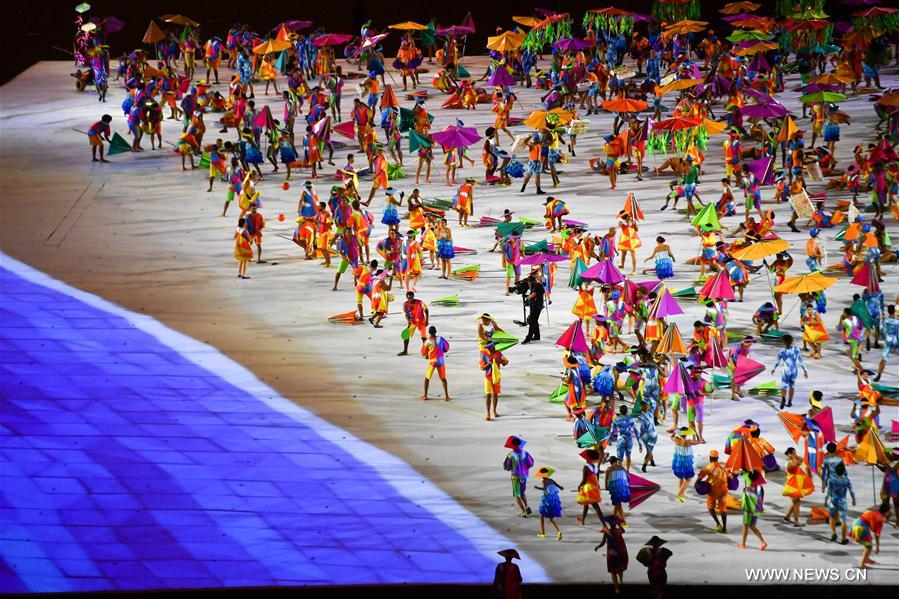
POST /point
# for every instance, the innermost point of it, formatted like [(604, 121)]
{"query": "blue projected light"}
[(126, 464)]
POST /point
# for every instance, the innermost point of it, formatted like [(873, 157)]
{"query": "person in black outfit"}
[(535, 303)]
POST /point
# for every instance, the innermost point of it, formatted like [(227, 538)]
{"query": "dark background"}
[(32, 28)]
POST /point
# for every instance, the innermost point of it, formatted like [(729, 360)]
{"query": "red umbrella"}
[(714, 355), (867, 277), (573, 338), (264, 119), (331, 39), (676, 124), (345, 129), (718, 287)]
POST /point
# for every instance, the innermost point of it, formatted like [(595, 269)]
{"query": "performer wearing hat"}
[(519, 463), (716, 499), (588, 490), (550, 505)]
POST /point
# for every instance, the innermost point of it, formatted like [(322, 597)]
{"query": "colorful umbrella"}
[(119, 145), (665, 305), (389, 100), (718, 287), (82, 8), (538, 118), (671, 341), (714, 355), (408, 26), (500, 77), (346, 129), (542, 258), (676, 124), (570, 44), (455, 30), (871, 450), (787, 130), (767, 110), (573, 339), (763, 169), (604, 271), (632, 208), (625, 105), (331, 39), (677, 85), (526, 21), (503, 340), (153, 34), (707, 218), (755, 48), (761, 249), (735, 8), (680, 381), (297, 25), (833, 79), (807, 283), (746, 35), (641, 489), (264, 119), (455, 136)]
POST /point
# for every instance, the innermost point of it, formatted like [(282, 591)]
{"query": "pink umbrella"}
[(605, 271), (542, 259), (455, 30), (866, 277), (573, 338), (500, 77), (570, 44), (296, 25), (650, 286), (322, 128), (264, 119), (718, 287), (745, 369), (714, 356), (664, 306), (680, 381), (454, 136), (331, 39)]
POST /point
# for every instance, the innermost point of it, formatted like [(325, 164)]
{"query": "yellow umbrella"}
[(677, 84), (807, 283), (271, 46), (408, 26), (537, 119), (871, 450), (756, 48), (761, 249), (526, 21), (714, 127), (505, 41)]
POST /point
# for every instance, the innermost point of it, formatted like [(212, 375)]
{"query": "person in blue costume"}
[(550, 503), (619, 487)]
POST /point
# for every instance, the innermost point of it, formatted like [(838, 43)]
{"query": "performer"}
[(434, 349), (798, 485), (550, 505), (97, 133), (716, 499), (519, 462)]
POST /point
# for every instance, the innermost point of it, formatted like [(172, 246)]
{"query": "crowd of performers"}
[(629, 385)]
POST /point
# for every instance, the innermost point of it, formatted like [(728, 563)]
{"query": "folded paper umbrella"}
[(417, 140), (451, 301), (707, 219), (871, 449), (388, 99), (822, 97), (573, 338), (632, 207), (718, 287), (331, 39), (395, 171), (526, 21), (641, 489), (714, 355), (688, 293), (500, 77), (469, 273), (763, 169), (322, 128), (506, 229), (767, 389), (558, 396), (265, 119), (867, 277), (736, 8), (744, 456), (671, 341), (745, 369), (787, 130), (538, 118), (605, 271), (204, 161), (505, 41), (665, 306), (153, 34), (82, 8), (807, 283), (345, 318), (346, 129), (844, 452), (455, 136), (593, 436), (767, 110), (761, 249), (503, 340), (119, 145)]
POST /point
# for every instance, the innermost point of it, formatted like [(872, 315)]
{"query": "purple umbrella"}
[(768, 110), (680, 381), (739, 17), (720, 86), (112, 24), (570, 44), (759, 64), (296, 25), (542, 258), (760, 97), (605, 271), (500, 77), (763, 169), (665, 306), (455, 30), (454, 136)]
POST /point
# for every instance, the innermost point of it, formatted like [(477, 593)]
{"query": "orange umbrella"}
[(505, 41), (408, 26), (756, 48), (388, 100), (633, 208), (271, 46), (625, 105), (154, 34), (677, 85), (736, 8), (744, 456), (526, 21), (832, 79), (714, 127), (761, 23), (671, 342)]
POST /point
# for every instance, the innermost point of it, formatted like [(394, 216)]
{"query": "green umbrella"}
[(503, 340), (707, 218), (506, 229), (82, 8), (119, 145), (540, 246), (822, 97), (746, 35), (450, 300), (416, 140)]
